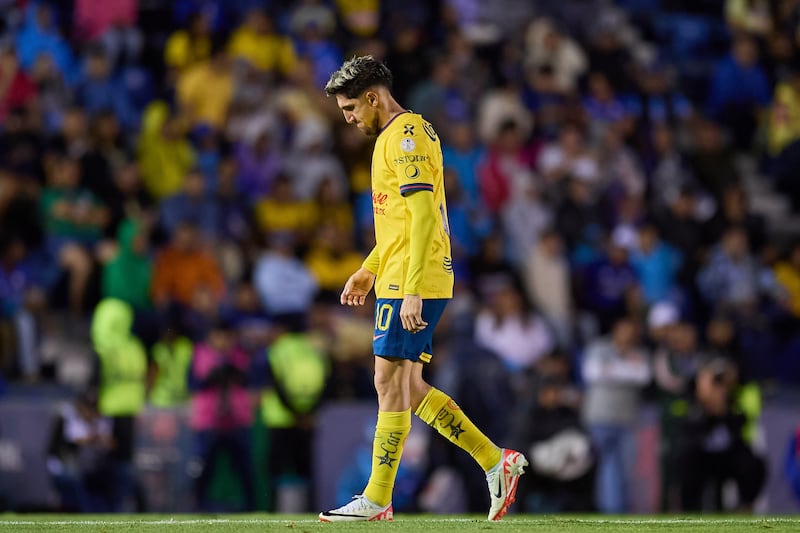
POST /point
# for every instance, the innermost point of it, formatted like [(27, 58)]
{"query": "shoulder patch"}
[(429, 131), (408, 144)]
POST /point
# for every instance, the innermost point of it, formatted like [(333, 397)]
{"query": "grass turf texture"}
[(402, 524)]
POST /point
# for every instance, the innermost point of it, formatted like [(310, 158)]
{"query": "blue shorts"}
[(391, 340)]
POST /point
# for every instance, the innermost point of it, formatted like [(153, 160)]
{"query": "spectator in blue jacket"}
[(739, 89), (40, 35), (98, 90)]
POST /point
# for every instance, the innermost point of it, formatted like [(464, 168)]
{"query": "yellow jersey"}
[(407, 159)]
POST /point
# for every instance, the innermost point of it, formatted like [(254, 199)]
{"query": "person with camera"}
[(222, 410), (714, 449)]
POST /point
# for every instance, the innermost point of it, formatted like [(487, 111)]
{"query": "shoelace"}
[(359, 503)]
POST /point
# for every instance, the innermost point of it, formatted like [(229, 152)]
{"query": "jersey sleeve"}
[(410, 153)]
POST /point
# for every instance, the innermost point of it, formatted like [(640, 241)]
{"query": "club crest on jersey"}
[(408, 145), (412, 172), (429, 131)]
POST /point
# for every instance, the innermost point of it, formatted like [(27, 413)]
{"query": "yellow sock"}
[(440, 412), (387, 448)]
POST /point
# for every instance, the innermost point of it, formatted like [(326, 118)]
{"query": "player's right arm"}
[(361, 282)]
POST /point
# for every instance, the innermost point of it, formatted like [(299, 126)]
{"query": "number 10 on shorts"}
[(383, 316)]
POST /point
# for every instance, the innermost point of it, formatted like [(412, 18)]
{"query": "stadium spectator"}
[(189, 46), (205, 90), (74, 221), (39, 36), (120, 375), (257, 43), (547, 423), (510, 328), (604, 285), (22, 300), (549, 285), (525, 219), (16, 87), (332, 258), (729, 282), (284, 284), (128, 276), (568, 157), (97, 90), (259, 163), (183, 270), (545, 45), (739, 91), (787, 273), (615, 369), (221, 412), (78, 456), (164, 153), (713, 449), (711, 160), (656, 264), (196, 203), (298, 372)]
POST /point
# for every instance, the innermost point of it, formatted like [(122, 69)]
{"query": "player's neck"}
[(391, 110)]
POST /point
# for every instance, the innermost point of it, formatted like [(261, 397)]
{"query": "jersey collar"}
[(392, 120)]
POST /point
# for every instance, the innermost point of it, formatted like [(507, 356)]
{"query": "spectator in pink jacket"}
[(222, 409)]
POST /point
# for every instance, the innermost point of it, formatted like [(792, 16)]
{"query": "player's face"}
[(361, 112)]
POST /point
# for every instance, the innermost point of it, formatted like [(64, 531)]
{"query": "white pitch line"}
[(534, 521)]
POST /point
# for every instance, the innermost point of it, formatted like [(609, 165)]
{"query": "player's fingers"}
[(361, 299), (343, 298)]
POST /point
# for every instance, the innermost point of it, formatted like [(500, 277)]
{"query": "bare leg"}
[(392, 383), (79, 264), (418, 387)]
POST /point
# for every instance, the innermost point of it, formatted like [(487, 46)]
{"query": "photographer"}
[(222, 409), (78, 457), (713, 448), (548, 425)]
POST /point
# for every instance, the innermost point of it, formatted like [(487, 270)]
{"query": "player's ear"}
[(372, 98)]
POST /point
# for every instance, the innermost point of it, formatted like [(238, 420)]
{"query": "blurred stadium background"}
[(180, 204)]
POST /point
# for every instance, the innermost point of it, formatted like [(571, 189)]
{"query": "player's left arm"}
[(413, 157), (423, 212)]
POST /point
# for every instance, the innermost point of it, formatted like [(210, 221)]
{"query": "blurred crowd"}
[(174, 183)]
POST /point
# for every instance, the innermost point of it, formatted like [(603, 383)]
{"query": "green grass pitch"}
[(402, 524)]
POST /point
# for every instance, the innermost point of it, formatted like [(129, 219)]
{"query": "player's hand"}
[(357, 287), (411, 313)]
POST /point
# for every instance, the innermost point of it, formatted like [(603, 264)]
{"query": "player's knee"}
[(390, 381)]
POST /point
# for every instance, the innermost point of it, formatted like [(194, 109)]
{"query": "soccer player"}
[(411, 270)]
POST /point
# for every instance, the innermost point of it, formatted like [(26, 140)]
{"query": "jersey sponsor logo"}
[(408, 129), (414, 158), (429, 131), (394, 287), (412, 172), (408, 145), (379, 200)]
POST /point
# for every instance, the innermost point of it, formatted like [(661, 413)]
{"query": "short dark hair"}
[(357, 75)]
